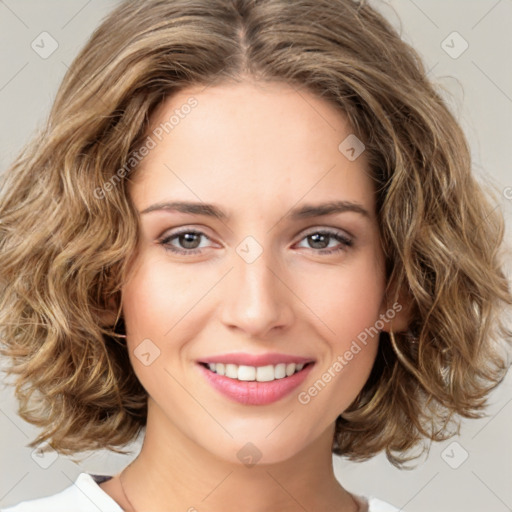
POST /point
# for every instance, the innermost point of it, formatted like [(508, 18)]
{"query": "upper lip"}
[(240, 358)]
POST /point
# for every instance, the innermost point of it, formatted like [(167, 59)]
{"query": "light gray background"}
[(478, 87)]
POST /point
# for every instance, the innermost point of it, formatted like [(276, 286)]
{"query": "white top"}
[(85, 495)]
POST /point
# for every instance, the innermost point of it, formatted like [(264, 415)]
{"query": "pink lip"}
[(241, 358), (253, 392)]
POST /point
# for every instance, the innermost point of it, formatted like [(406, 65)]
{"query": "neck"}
[(175, 472)]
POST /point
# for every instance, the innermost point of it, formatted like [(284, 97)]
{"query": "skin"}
[(246, 145)]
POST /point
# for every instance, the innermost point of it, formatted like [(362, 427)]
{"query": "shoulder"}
[(376, 505), (84, 495), (372, 504)]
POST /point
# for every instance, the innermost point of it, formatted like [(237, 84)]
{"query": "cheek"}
[(346, 299), (164, 307), (156, 306), (154, 298), (348, 306)]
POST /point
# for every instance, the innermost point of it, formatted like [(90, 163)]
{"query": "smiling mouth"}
[(267, 373)]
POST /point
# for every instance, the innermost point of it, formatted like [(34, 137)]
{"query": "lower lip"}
[(254, 392)]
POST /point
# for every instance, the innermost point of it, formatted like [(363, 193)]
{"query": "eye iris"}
[(315, 239), (187, 240)]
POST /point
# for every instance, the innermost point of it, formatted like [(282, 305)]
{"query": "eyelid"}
[(202, 230), (316, 229), (179, 231)]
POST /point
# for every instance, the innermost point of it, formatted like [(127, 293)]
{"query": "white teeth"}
[(290, 369), (256, 373), (231, 371), (265, 373), (245, 373), (280, 371)]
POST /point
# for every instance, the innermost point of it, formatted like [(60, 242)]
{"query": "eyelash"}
[(345, 241)]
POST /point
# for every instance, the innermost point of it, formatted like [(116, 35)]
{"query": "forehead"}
[(249, 143)]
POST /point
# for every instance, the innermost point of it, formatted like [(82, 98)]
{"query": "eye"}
[(188, 238), (190, 241), (320, 240)]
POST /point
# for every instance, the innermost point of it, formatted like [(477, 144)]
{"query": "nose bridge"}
[(256, 300)]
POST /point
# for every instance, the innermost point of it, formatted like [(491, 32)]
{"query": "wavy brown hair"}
[(65, 248)]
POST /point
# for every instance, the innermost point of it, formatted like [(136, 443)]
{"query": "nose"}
[(257, 299)]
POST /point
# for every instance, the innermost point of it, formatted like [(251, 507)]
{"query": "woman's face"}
[(266, 275)]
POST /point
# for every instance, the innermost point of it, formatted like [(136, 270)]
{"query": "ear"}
[(396, 314)]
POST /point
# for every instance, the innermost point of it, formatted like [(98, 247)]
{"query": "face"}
[(268, 274)]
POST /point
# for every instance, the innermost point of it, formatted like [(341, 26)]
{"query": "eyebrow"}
[(303, 212)]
